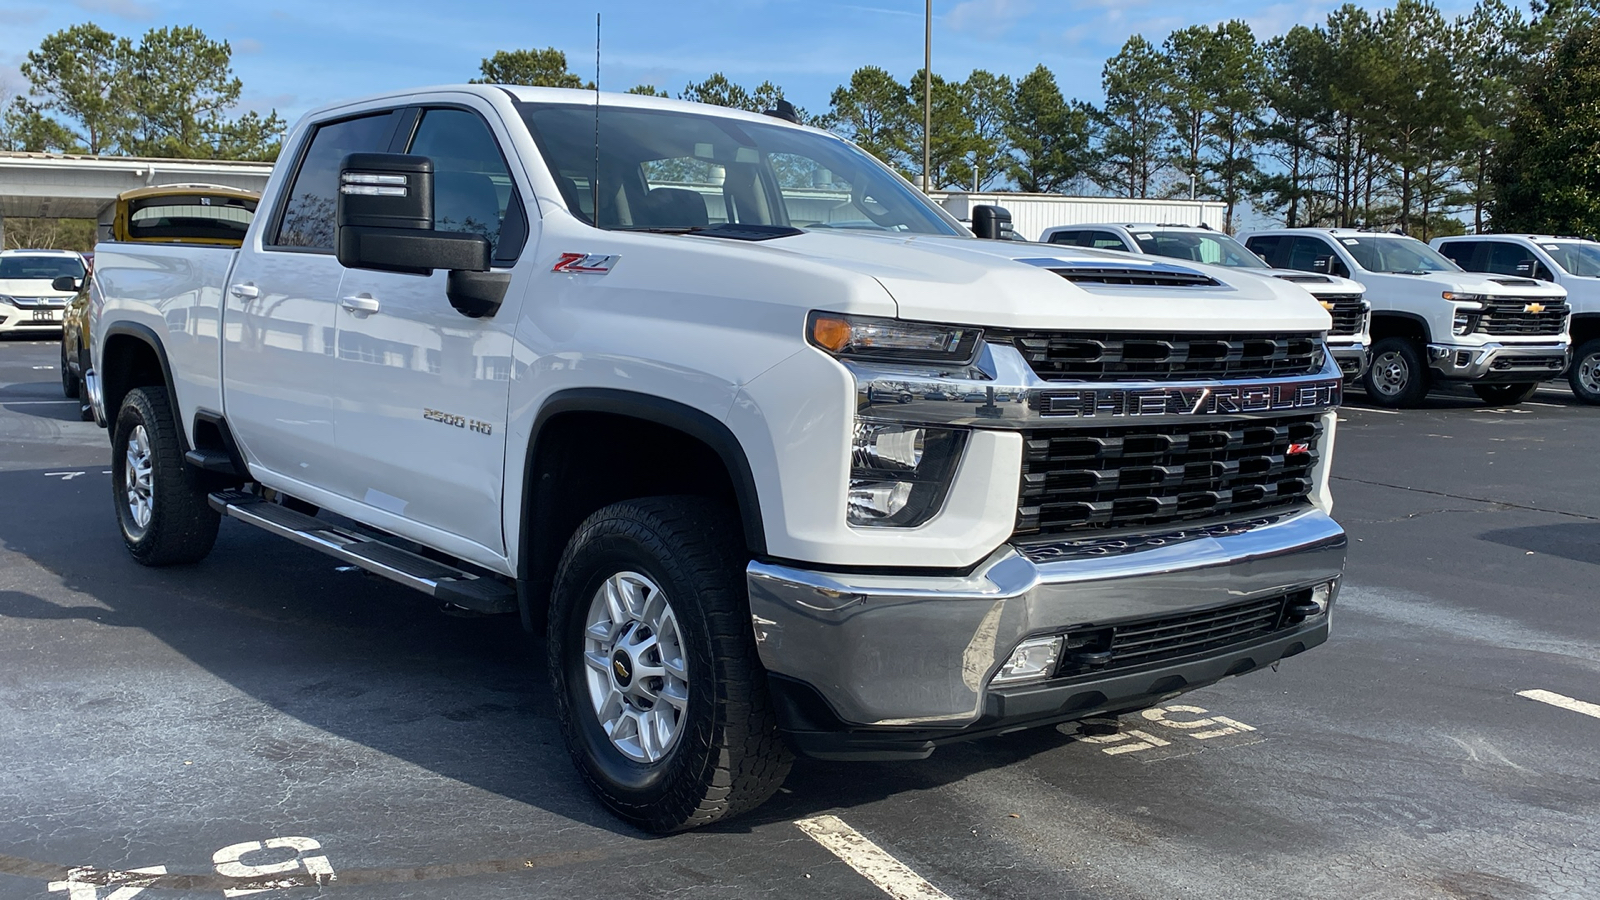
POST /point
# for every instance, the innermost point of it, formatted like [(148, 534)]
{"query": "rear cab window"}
[(307, 221)]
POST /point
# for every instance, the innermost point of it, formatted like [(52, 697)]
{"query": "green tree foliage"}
[(1546, 172), (1051, 139), (82, 74), (875, 111), (648, 90), (534, 68), (170, 95), (1134, 130), (986, 104)]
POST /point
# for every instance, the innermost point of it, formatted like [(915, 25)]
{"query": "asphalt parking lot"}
[(262, 721)]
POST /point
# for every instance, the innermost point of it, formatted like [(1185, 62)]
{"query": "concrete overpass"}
[(53, 185)]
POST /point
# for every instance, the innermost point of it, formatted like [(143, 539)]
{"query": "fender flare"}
[(660, 411), (146, 335), (1427, 330)]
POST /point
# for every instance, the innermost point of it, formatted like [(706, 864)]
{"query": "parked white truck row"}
[(780, 457), (1502, 313)]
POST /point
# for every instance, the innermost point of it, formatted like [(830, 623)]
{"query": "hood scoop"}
[(1515, 282), (1306, 279), (1155, 275)]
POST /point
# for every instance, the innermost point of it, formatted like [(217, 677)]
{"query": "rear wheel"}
[(1585, 373), (659, 691), (1398, 377), (70, 385), (1505, 394), (160, 501)]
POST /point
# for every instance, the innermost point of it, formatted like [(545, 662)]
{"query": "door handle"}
[(360, 304), (244, 291)]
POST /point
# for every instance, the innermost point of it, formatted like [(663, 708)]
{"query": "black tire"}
[(180, 526), (1398, 376), (70, 385), (1505, 394), (1584, 376), (727, 757)]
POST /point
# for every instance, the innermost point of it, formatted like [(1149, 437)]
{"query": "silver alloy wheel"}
[(136, 478), (635, 668), (1390, 373), (1589, 373)]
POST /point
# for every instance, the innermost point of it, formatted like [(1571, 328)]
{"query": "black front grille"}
[(1162, 356), (1521, 316), (1346, 311), (1145, 641), (1080, 479)]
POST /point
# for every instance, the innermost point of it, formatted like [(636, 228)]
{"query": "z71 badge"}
[(444, 418)]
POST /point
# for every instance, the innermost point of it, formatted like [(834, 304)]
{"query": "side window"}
[(472, 187), (1104, 240), (1506, 258), (1067, 237), (1265, 247), (308, 214), (1460, 252), (1309, 254)]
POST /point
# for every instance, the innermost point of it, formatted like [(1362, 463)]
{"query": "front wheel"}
[(1505, 394), (161, 504), (659, 692), (1585, 373), (1398, 377)]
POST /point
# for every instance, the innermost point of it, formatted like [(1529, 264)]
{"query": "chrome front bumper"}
[(918, 651), (1499, 362), (1352, 359)]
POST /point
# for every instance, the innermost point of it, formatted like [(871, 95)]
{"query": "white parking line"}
[(1387, 412), (36, 402), (892, 876), (1554, 699), (1545, 405)]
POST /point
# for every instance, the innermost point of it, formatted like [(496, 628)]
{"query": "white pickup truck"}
[(1350, 335), (1432, 321), (782, 458), (1572, 263)]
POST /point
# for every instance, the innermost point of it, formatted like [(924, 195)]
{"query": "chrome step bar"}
[(438, 580)]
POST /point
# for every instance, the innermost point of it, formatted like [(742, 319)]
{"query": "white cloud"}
[(986, 18), (246, 45)]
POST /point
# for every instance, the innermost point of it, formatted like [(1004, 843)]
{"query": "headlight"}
[(1464, 298), (899, 474), (861, 337)]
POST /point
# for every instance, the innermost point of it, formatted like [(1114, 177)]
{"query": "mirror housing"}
[(992, 223), (66, 283), (384, 219)]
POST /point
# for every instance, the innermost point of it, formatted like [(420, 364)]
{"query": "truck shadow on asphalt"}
[(1577, 541), (370, 662)]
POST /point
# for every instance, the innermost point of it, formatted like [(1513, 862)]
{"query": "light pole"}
[(927, 94)]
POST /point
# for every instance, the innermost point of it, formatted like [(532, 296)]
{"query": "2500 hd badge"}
[(434, 415)]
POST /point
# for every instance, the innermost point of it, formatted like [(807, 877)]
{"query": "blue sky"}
[(296, 54)]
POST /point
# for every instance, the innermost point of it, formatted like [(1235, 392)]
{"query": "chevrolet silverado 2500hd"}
[(1431, 321), (1573, 263), (783, 458), (1349, 337)]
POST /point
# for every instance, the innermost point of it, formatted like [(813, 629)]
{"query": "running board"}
[(443, 582)]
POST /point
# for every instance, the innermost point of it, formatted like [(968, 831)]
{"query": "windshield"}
[(40, 268), (1397, 254), (1214, 249), (198, 216), (676, 171), (1577, 259)]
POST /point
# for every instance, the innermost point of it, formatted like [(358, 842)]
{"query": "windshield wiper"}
[(730, 230)]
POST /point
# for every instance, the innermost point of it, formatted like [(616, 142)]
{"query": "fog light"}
[(870, 500), (1321, 595), (1033, 659)]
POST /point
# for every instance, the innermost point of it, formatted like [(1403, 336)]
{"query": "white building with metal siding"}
[(1031, 214)]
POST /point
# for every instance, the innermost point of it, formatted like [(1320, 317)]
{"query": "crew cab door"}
[(423, 389), (278, 371)]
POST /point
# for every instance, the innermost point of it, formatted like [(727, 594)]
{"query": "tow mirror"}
[(992, 223), (65, 283), (384, 219), (1322, 264)]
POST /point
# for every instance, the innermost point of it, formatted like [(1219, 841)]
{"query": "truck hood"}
[(1464, 283), (1319, 285), (1010, 284), (31, 287)]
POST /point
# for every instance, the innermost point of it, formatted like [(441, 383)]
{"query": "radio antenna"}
[(594, 182)]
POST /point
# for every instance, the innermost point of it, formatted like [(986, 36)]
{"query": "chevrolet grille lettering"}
[(1114, 403)]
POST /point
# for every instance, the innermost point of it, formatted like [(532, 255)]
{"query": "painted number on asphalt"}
[(1183, 721), (262, 864)]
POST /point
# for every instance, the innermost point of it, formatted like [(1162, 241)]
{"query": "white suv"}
[(1573, 263), (1431, 321), (28, 303), (1349, 337)]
